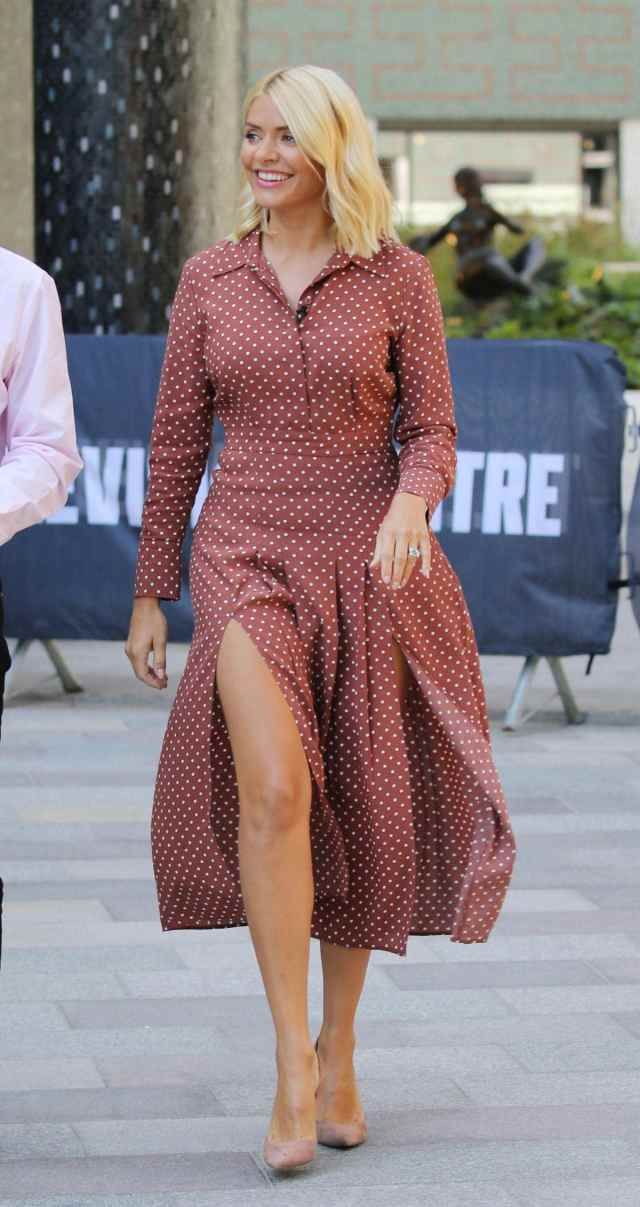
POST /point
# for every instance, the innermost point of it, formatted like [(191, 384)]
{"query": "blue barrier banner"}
[(532, 526)]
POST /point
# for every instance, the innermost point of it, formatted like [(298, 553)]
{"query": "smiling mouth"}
[(280, 178)]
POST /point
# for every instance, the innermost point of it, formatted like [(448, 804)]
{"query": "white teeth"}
[(270, 176)]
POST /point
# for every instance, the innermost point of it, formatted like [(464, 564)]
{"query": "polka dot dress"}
[(410, 832)]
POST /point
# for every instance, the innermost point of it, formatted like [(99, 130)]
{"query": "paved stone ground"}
[(136, 1067)]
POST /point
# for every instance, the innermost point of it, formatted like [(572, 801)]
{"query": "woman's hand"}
[(148, 633), (405, 524)]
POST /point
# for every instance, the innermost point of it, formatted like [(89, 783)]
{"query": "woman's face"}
[(268, 146)]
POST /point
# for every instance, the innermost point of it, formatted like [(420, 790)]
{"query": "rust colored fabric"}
[(410, 831)]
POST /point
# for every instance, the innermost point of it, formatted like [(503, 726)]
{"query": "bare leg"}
[(344, 970), (274, 788)]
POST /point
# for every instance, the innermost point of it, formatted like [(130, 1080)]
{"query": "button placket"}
[(267, 274)]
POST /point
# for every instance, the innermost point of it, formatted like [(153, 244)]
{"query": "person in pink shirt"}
[(39, 456)]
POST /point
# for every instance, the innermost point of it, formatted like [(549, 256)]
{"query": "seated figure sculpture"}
[(482, 273)]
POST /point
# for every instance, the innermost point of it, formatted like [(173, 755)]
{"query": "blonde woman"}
[(326, 770)]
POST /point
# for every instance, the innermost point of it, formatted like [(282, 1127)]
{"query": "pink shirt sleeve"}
[(39, 456)]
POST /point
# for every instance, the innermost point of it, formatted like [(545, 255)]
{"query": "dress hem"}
[(315, 934)]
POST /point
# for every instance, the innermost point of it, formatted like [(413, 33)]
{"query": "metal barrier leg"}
[(69, 683), (513, 715), (572, 712), (61, 667)]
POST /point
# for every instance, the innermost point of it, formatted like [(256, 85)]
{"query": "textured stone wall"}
[(451, 60), (16, 127)]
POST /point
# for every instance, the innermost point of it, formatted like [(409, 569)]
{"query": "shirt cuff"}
[(158, 571), (425, 482)]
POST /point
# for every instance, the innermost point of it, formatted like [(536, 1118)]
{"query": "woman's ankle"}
[(338, 1040), (295, 1055), (336, 1045)]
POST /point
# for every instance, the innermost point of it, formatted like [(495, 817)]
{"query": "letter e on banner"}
[(542, 494)]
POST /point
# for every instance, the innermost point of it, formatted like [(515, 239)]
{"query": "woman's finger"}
[(144, 671), (392, 552), (409, 568), (138, 656), (160, 658), (425, 553), (401, 545), (387, 546), (376, 553)]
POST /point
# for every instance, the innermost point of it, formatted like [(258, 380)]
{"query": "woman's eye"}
[(249, 134)]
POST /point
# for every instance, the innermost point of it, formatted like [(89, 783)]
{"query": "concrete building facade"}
[(543, 96)]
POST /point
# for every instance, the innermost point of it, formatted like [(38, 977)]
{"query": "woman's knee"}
[(275, 802)]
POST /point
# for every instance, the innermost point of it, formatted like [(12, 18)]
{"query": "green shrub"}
[(584, 302)]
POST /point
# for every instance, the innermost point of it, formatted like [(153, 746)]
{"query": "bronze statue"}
[(482, 272)]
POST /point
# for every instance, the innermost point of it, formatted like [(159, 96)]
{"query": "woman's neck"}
[(299, 236)]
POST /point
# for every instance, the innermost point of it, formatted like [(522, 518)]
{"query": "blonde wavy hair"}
[(328, 123)]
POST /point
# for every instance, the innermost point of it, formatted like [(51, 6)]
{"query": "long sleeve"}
[(425, 426), (180, 442), (41, 458)]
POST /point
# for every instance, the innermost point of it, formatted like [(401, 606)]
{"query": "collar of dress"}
[(247, 252)]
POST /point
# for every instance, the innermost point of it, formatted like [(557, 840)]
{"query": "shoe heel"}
[(341, 1135)]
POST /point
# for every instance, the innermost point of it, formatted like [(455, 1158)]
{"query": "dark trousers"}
[(5, 663)]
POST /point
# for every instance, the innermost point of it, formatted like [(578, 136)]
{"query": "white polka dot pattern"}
[(410, 831)]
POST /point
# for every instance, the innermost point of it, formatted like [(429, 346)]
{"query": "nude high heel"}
[(340, 1135), (291, 1154)]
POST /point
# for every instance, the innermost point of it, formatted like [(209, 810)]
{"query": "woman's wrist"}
[(412, 495)]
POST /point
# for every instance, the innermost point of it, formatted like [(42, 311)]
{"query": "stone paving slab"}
[(294, 1191), (570, 999), (160, 957), (532, 1029), (224, 980), (626, 971), (518, 972), (373, 1164), (63, 870), (22, 1141), (530, 901), (581, 1088), (595, 827), (48, 1073), (619, 1052), (630, 1020), (90, 1176), (577, 1192), (509, 1123), (78, 890), (543, 947), (51, 987), (57, 911), (106, 1102), (596, 921)]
